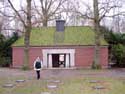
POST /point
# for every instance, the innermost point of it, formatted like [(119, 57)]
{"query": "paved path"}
[(57, 73)]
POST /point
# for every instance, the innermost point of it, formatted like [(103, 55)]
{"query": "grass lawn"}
[(71, 36), (76, 85)]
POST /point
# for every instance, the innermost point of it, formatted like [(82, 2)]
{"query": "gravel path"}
[(64, 73)]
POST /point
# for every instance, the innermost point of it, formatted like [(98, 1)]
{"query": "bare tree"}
[(1, 22), (48, 9), (28, 26), (2, 15), (97, 12), (96, 62), (1, 19), (123, 25), (8, 18)]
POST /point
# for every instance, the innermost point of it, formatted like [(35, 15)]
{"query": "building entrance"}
[(58, 60), (55, 60)]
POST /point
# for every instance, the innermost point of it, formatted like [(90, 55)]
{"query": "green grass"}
[(71, 36), (76, 85)]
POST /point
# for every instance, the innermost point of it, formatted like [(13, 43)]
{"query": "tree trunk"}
[(45, 24), (27, 36), (96, 63), (26, 48)]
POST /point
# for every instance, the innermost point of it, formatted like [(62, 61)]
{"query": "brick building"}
[(71, 48)]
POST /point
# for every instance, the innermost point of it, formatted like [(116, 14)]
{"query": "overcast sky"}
[(82, 3), (17, 3)]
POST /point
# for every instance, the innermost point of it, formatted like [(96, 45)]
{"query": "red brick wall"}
[(34, 53), (17, 56), (104, 57), (83, 55)]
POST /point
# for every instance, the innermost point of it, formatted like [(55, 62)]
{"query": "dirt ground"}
[(63, 73)]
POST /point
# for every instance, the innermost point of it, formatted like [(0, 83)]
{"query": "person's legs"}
[(38, 74)]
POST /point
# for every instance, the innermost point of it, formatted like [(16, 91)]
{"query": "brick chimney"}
[(59, 34), (60, 25)]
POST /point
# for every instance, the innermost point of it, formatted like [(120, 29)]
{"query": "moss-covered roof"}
[(71, 36)]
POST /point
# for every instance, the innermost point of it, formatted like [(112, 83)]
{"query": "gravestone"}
[(56, 81), (48, 80), (51, 86), (98, 87), (20, 81), (45, 93), (93, 81), (8, 85)]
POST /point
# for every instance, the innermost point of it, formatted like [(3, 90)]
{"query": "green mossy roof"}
[(71, 36)]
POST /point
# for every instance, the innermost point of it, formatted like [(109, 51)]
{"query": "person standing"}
[(37, 67)]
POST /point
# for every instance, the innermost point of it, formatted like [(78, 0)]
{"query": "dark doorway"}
[(55, 60)]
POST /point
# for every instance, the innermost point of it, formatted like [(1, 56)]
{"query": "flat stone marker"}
[(8, 85), (93, 81), (20, 81), (56, 81), (98, 87), (49, 80), (52, 86), (45, 93)]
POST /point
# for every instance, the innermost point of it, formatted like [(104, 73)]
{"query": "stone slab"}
[(8, 85), (54, 81), (98, 87), (51, 86), (20, 81), (93, 81), (45, 93)]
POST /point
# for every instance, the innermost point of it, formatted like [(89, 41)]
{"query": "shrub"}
[(119, 53), (5, 50), (95, 66), (5, 61)]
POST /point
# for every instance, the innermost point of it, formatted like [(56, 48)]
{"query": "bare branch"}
[(106, 11), (5, 14), (42, 6), (36, 9), (1, 23), (84, 15), (49, 6), (57, 8), (11, 29), (17, 13), (114, 15)]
